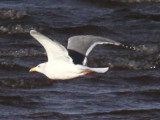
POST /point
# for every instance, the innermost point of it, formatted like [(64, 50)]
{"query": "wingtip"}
[(33, 32), (118, 43)]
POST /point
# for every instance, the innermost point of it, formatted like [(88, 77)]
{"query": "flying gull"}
[(64, 64)]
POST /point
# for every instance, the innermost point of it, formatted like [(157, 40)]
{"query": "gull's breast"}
[(62, 71)]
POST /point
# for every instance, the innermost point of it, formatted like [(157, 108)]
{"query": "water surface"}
[(128, 91)]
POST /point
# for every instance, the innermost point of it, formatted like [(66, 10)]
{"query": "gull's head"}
[(39, 68)]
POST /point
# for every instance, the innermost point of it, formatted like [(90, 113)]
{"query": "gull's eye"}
[(38, 66)]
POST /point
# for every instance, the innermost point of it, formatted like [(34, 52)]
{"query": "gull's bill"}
[(32, 70)]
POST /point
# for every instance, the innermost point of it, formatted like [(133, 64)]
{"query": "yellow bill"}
[(32, 70)]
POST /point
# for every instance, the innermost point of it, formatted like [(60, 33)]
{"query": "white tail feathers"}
[(87, 70), (99, 70)]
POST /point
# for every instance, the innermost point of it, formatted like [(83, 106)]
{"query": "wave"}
[(8, 64), (18, 28), (84, 29), (21, 53), (12, 14), (52, 115), (25, 83), (140, 57), (125, 1), (148, 16), (58, 115), (11, 66), (132, 1), (78, 29), (125, 112), (116, 112)]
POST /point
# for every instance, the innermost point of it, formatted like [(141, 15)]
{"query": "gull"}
[(64, 64)]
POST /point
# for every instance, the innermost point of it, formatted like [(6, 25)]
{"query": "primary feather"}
[(82, 45)]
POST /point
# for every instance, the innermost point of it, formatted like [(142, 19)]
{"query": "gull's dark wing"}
[(79, 47)]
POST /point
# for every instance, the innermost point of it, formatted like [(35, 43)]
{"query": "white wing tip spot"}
[(33, 32), (153, 67)]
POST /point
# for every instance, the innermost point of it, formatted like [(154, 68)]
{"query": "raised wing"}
[(79, 47), (55, 51)]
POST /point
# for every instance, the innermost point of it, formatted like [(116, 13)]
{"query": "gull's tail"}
[(88, 70), (99, 70)]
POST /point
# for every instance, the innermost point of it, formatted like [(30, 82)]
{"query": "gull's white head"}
[(39, 68)]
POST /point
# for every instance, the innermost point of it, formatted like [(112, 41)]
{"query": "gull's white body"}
[(60, 65), (62, 70)]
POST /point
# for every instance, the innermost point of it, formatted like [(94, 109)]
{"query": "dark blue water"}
[(130, 90)]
